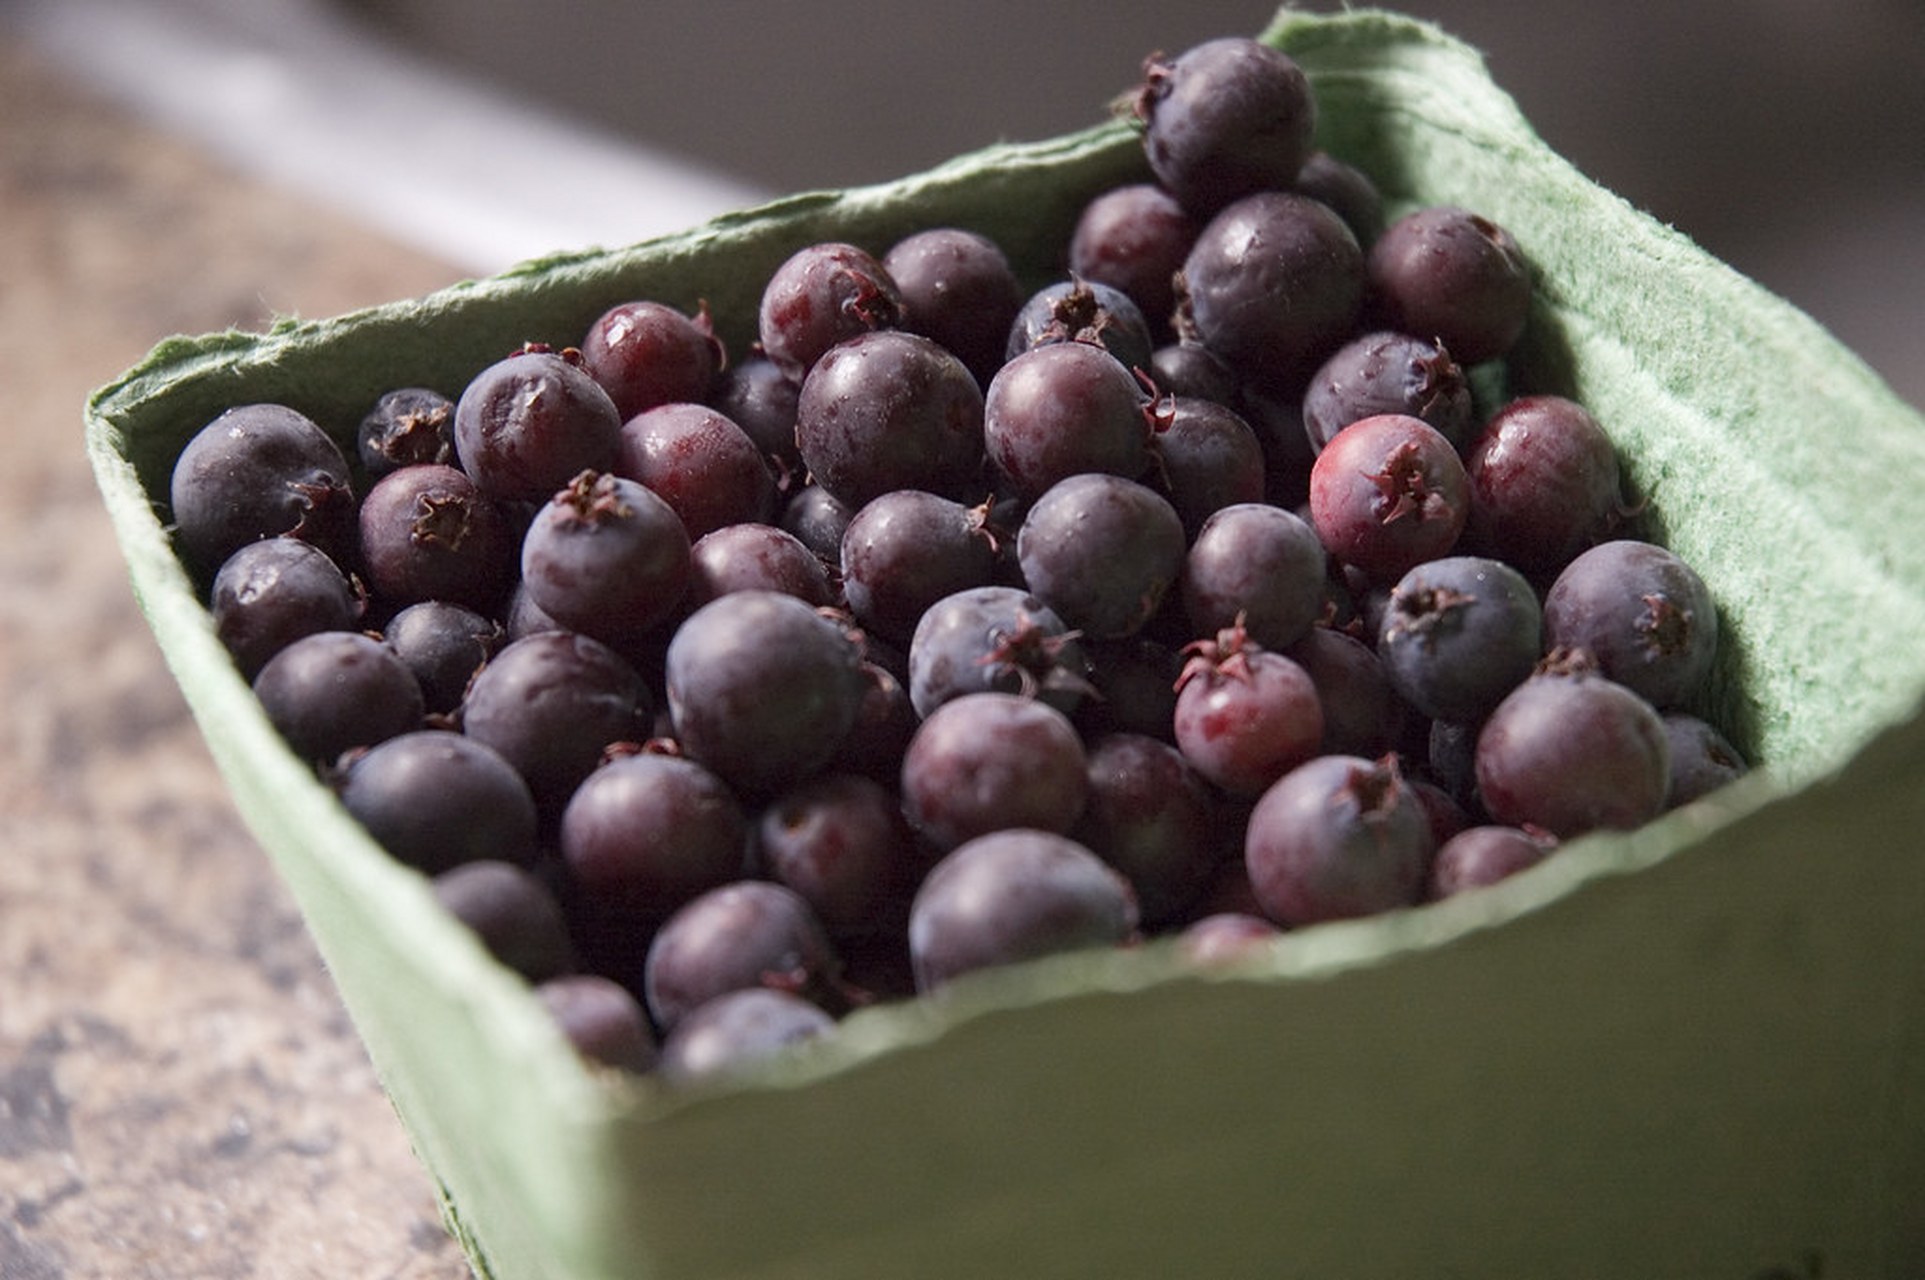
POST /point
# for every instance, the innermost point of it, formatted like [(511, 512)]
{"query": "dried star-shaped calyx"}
[(1034, 655), (1407, 490), (1664, 627), (1424, 611), (1376, 787), (1225, 654), (593, 497)]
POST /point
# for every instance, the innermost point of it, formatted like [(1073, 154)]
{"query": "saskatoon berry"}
[(1570, 751), (1135, 688), (1388, 493), (1346, 189), (818, 519), (700, 463), (958, 290), (406, 427), (1385, 372), (1207, 458), (738, 1030), (762, 688), (1460, 632), (1642, 613), (1083, 311), (890, 410), (1245, 715), (1702, 758), (821, 295), (607, 557), (444, 645), (1256, 565), (985, 761), (1134, 238), (550, 703), (529, 423), (1150, 815), (735, 937), (1483, 855), (256, 471), (648, 831), (1543, 484), (907, 549), (885, 721), (602, 1020), (1102, 552), (1277, 419), (1225, 936), (1362, 714), (995, 638), (1189, 369), (513, 913), (334, 690), (1225, 118), (1455, 276), (758, 397), (436, 800), (756, 557), (1015, 895), (270, 593), (647, 353), (1336, 838), (1061, 409), (1274, 285), (427, 533), (841, 842)]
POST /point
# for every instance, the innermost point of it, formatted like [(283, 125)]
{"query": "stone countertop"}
[(181, 1093)]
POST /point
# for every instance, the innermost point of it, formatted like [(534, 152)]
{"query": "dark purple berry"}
[(1061, 409), (1225, 937), (648, 831), (704, 466), (762, 688), (1225, 118), (1150, 815), (551, 703), (734, 938), (1015, 895), (1134, 238), (738, 1030), (890, 410), (1207, 458), (270, 593), (756, 557), (604, 1022), (1274, 284), (513, 913), (1642, 613), (648, 353), (1362, 714), (1258, 566), (1346, 189), (1454, 276), (257, 471), (1190, 370), (1544, 484), (1102, 552), (607, 557), (995, 638), (907, 549), (444, 645), (841, 842), (818, 519), (334, 690), (435, 799), (959, 290), (758, 397), (427, 533), (1702, 758), (1483, 855), (985, 761), (1460, 632), (1571, 751), (821, 295), (1337, 838), (1386, 372), (1083, 311), (529, 423)]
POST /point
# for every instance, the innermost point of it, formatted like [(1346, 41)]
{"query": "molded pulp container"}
[(1693, 1051)]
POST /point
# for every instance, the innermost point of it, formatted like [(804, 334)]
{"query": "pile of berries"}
[(956, 623)]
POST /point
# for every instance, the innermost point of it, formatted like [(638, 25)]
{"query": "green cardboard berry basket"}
[(1693, 1051)]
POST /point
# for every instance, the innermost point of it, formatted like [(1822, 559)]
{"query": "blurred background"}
[(1780, 134)]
